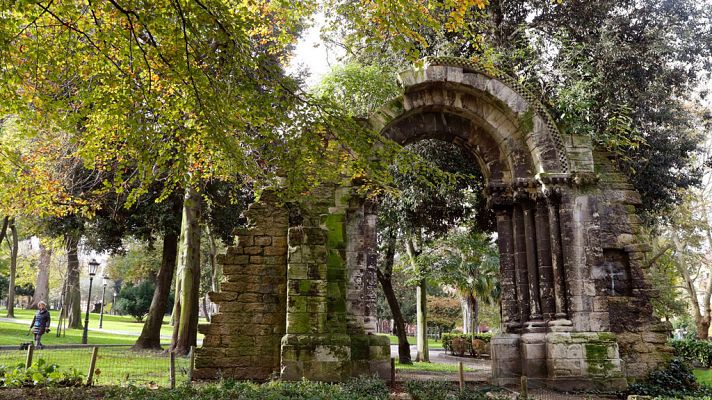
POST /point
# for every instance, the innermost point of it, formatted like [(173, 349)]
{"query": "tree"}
[(42, 282), (384, 274), (619, 71), (437, 188), (180, 93), (135, 300), (13, 267), (469, 262), (185, 309)]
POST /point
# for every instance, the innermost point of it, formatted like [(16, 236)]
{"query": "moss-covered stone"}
[(335, 231)]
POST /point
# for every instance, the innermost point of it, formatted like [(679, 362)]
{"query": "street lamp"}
[(93, 266), (103, 293), (113, 305)]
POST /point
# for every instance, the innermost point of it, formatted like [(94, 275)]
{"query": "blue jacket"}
[(40, 322)]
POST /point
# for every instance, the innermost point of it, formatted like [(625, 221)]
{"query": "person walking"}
[(40, 323)]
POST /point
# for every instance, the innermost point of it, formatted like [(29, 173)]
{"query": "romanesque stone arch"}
[(299, 292), (575, 306)]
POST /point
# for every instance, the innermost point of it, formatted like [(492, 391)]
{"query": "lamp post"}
[(113, 305), (103, 293), (93, 266)]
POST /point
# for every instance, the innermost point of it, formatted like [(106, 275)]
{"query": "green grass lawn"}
[(432, 343), (13, 334), (114, 365), (431, 367), (703, 376), (110, 322)]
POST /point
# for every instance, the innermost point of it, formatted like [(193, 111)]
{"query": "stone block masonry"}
[(331, 294), (298, 301), (243, 341)]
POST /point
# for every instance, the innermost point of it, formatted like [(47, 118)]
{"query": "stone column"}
[(505, 242), (543, 246), (520, 263), (531, 261), (557, 262)]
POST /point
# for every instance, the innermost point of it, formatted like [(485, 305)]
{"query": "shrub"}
[(362, 388), (136, 300), (40, 373), (692, 350), (447, 339), (674, 380)]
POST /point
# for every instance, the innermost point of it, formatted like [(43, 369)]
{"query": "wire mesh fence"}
[(115, 364)]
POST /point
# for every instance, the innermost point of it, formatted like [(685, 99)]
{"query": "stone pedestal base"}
[(584, 361), (506, 359), (563, 361), (331, 358), (533, 351)]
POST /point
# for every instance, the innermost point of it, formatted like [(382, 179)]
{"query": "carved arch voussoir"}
[(506, 108)]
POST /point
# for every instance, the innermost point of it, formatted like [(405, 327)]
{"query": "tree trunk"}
[(72, 297), (42, 284), (150, 337), (422, 322), (466, 313), (475, 315), (421, 302), (3, 232), (384, 276), (185, 312), (398, 321), (13, 270)]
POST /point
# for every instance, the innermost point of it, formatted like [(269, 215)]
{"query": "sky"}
[(311, 54)]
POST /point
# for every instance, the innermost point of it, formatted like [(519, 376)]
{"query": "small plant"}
[(40, 373), (366, 388)]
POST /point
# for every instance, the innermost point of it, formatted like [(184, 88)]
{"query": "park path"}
[(27, 323)]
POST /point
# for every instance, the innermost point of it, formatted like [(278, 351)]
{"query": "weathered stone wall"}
[(331, 293), (243, 340), (298, 300), (622, 292)]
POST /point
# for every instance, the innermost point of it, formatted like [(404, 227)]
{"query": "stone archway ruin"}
[(299, 297)]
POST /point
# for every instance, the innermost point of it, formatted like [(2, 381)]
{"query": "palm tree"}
[(469, 262)]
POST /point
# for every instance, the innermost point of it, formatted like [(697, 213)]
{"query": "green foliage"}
[(693, 350), (437, 390), (443, 312), (437, 186), (363, 388), (360, 89), (138, 262), (366, 388), (40, 373), (135, 300), (674, 380)]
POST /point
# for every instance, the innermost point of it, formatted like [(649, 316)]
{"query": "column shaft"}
[(557, 262), (520, 263), (505, 242), (531, 262), (543, 246)]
